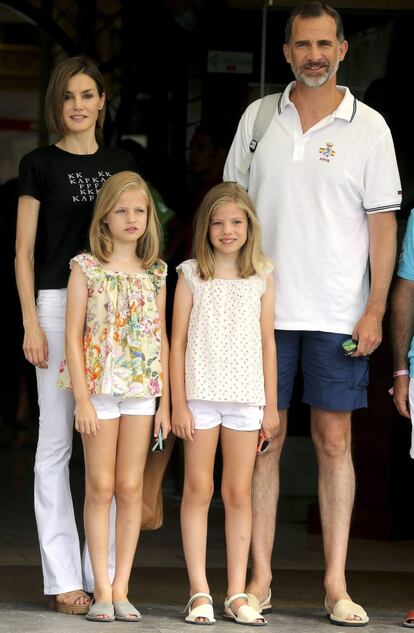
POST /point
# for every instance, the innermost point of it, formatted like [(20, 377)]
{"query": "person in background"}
[(172, 229), (402, 333), (208, 150)]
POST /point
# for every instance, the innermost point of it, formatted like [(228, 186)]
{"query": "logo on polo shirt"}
[(327, 152)]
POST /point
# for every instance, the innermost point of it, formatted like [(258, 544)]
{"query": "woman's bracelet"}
[(401, 372)]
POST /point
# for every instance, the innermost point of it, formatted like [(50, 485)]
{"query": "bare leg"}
[(100, 456), (265, 496), (331, 435), (198, 489), (87, 571), (239, 451), (133, 440)]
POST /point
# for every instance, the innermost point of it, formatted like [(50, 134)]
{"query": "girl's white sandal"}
[(245, 614), (202, 611)]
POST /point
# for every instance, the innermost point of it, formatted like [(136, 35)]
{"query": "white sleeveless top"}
[(223, 360)]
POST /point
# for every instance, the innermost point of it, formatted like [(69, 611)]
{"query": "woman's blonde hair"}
[(100, 238), (251, 259), (56, 91)]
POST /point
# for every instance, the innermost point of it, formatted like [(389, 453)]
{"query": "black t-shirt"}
[(66, 185)]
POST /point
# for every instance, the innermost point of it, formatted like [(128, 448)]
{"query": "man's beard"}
[(318, 80)]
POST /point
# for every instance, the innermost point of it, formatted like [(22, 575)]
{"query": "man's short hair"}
[(314, 9)]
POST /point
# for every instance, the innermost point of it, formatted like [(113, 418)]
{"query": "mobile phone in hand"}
[(262, 445), (158, 443), (349, 346)]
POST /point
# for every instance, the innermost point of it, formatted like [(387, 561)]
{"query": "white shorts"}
[(111, 407), (233, 415)]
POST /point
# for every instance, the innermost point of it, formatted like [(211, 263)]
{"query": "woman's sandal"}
[(101, 612), (67, 602), (340, 612), (202, 611), (126, 612), (245, 614), (262, 607)]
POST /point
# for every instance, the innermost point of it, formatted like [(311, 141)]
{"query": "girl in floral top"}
[(117, 357), (223, 379)]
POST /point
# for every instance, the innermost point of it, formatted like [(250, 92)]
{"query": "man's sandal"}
[(262, 607), (68, 602), (101, 612), (245, 614), (340, 612), (202, 611)]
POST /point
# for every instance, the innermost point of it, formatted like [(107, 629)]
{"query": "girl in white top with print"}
[(223, 380)]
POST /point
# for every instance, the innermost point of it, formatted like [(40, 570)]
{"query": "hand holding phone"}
[(262, 444), (159, 443), (349, 346)]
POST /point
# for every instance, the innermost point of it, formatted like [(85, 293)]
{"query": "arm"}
[(162, 416), (382, 248), (271, 417), (402, 330), (34, 342), (182, 420), (85, 416)]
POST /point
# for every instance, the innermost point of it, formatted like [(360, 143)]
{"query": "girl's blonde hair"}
[(100, 238), (251, 258)]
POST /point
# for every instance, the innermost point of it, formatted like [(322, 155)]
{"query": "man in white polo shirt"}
[(325, 183)]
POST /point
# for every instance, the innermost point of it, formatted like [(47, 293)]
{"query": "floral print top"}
[(122, 336)]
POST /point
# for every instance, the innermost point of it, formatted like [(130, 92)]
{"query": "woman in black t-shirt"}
[(57, 188)]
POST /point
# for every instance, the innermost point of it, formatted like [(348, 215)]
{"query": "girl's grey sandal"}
[(99, 609), (126, 612)]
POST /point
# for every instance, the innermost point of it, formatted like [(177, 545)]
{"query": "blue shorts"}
[(332, 381)]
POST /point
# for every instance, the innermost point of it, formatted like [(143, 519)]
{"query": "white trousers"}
[(57, 531)]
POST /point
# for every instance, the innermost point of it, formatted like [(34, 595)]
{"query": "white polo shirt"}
[(313, 192)]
